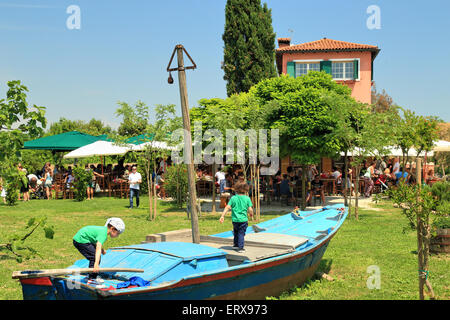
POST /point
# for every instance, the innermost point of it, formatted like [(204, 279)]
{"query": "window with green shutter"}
[(325, 66), (355, 69), (290, 70)]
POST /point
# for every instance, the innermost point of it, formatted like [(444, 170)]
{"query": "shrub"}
[(82, 178), (176, 183)]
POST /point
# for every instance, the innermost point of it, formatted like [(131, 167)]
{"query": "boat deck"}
[(258, 246)]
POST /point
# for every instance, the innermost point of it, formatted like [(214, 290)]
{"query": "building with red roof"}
[(349, 63)]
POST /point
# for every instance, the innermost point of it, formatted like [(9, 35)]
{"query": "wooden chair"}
[(121, 189), (298, 192), (59, 186), (68, 191)]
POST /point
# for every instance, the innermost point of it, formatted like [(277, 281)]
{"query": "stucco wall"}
[(361, 90)]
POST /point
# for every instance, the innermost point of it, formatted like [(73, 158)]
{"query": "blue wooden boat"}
[(280, 253)]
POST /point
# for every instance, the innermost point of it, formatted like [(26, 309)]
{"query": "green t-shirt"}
[(91, 234), (239, 205)]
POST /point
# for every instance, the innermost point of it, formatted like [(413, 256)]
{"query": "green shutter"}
[(355, 69), (325, 66), (291, 68), (371, 73)]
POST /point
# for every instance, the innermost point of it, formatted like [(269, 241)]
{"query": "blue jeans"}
[(222, 185), (134, 193), (239, 229)]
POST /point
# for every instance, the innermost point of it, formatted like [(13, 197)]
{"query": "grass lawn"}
[(376, 239)]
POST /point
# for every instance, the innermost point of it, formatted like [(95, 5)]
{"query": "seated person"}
[(69, 180), (316, 188), (228, 185), (285, 187)]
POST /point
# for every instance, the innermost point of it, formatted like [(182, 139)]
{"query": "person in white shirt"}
[(336, 173), (220, 177), (396, 167), (134, 179)]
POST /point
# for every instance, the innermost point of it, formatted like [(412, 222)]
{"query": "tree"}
[(135, 119), (249, 45), (238, 112), (17, 122), (421, 204), (348, 116), (371, 138), (94, 127), (382, 102), (406, 133), (304, 116)]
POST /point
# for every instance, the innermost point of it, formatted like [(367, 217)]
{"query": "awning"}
[(66, 141), (98, 148)]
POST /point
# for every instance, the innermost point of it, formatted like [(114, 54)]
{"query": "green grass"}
[(376, 239)]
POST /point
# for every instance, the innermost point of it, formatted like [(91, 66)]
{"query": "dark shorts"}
[(88, 251)]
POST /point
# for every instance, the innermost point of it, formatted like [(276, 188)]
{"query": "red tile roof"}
[(328, 45)]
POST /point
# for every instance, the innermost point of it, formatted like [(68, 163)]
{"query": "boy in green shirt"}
[(89, 241), (240, 205)]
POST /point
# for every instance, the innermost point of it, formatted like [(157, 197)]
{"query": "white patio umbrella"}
[(396, 152), (155, 144), (442, 146), (98, 148)]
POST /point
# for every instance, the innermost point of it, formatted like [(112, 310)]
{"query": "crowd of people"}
[(383, 173), (40, 183)]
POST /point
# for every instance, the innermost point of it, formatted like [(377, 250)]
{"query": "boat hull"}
[(255, 282)]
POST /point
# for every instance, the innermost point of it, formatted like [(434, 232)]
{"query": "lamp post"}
[(187, 134)]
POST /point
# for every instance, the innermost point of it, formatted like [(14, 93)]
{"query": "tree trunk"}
[(149, 190), (350, 194), (358, 169), (258, 212), (213, 210), (345, 187), (303, 187), (423, 240), (154, 192)]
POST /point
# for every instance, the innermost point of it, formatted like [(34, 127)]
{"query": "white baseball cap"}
[(116, 223)]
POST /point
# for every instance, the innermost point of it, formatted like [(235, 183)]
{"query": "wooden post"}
[(419, 234), (188, 144)]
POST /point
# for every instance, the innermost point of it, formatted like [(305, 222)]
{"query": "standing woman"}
[(48, 182), (368, 181)]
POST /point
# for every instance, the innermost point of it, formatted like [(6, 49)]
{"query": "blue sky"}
[(123, 47)]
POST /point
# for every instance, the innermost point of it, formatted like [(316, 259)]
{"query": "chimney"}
[(284, 42)]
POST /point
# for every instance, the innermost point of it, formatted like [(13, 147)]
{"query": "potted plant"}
[(440, 240)]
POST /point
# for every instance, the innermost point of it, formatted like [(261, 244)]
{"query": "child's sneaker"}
[(235, 248), (241, 250)]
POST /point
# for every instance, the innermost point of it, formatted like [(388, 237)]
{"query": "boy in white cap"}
[(89, 241)]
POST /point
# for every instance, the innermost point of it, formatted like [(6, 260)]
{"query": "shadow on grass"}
[(324, 266), (6, 257)]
